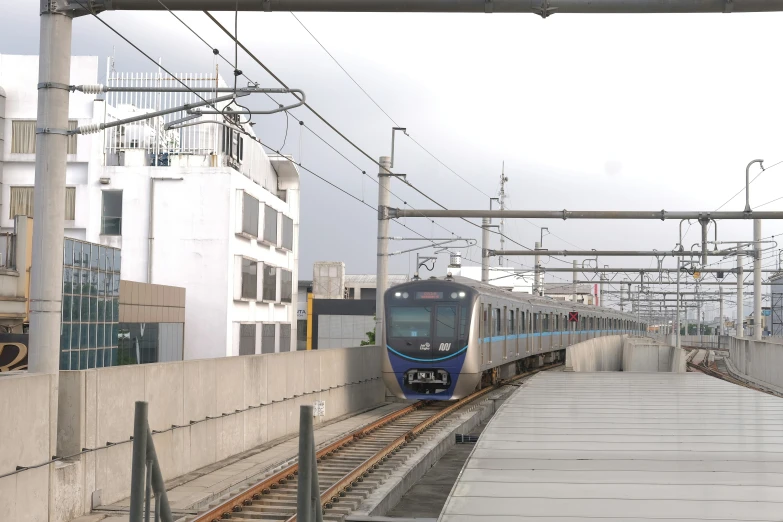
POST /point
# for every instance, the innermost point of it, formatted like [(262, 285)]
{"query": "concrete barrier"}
[(602, 354), (623, 353), (204, 411), (762, 361), (648, 355), (25, 440)]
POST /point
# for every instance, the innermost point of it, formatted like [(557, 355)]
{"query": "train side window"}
[(522, 324), (557, 322), (511, 324), (505, 330), (545, 324), (534, 325), (496, 321)]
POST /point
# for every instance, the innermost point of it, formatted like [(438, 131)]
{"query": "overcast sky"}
[(602, 112)]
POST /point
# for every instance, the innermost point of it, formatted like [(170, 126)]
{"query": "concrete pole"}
[(720, 316), (740, 286), (757, 331), (679, 297), (46, 273), (485, 250), (601, 290), (576, 278), (537, 271), (138, 462), (49, 214), (384, 184)]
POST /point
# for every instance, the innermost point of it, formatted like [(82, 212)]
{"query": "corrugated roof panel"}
[(626, 446)]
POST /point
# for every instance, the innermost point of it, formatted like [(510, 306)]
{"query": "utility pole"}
[(384, 185), (576, 278), (757, 279), (51, 145), (740, 312), (485, 250), (502, 198), (537, 271)]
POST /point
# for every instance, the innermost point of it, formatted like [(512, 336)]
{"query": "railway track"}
[(349, 469)]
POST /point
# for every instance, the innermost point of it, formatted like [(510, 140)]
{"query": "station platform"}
[(627, 446)]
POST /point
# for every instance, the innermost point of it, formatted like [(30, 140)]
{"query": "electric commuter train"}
[(445, 338)]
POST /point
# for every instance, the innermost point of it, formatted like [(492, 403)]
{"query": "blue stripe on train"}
[(401, 364), (543, 334)]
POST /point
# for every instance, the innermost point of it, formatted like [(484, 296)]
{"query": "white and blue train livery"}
[(445, 338)]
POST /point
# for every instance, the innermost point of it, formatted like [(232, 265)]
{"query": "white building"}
[(199, 207)]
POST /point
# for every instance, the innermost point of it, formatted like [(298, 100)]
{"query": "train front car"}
[(431, 346)]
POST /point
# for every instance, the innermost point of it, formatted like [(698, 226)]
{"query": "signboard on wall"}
[(13, 352)]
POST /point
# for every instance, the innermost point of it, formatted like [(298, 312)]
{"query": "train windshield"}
[(410, 321)]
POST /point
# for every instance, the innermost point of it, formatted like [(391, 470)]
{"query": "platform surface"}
[(626, 446)]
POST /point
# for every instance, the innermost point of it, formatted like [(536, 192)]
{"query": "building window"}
[(249, 214), (269, 291), (286, 286), (233, 144), (90, 337), (23, 202), (285, 337), (249, 279), (288, 233), (247, 339), (270, 225), (268, 338), (111, 216), (23, 137)]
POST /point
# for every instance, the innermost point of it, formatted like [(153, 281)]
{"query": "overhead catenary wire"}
[(350, 142), (422, 147)]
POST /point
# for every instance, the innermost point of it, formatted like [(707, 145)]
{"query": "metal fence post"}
[(148, 492), (304, 500), (139, 461), (316, 490), (158, 486)]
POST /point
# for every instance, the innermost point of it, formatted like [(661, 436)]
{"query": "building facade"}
[(201, 207)]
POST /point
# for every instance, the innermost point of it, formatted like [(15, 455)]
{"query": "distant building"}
[(201, 207), (343, 308), (585, 293)]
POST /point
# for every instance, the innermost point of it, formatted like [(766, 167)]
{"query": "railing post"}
[(158, 486), (304, 496), (139, 461), (316, 490), (148, 492)]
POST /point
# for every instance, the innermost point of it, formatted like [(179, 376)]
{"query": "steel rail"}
[(235, 503), (332, 495)]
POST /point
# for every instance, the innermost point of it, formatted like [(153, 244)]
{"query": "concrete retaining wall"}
[(648, 355), (760, 360), (24, 441), (602, 354), (222, 407), (623, 353)]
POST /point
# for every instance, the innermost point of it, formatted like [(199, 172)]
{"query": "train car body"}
[(444, 337)]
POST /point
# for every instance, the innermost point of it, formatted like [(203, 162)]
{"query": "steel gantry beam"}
[(542, 8), (662, 215), (610, 253)]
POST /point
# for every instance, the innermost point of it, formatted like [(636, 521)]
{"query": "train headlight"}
[(405, 295), (453, 295), (462, 294), (397, 294)]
